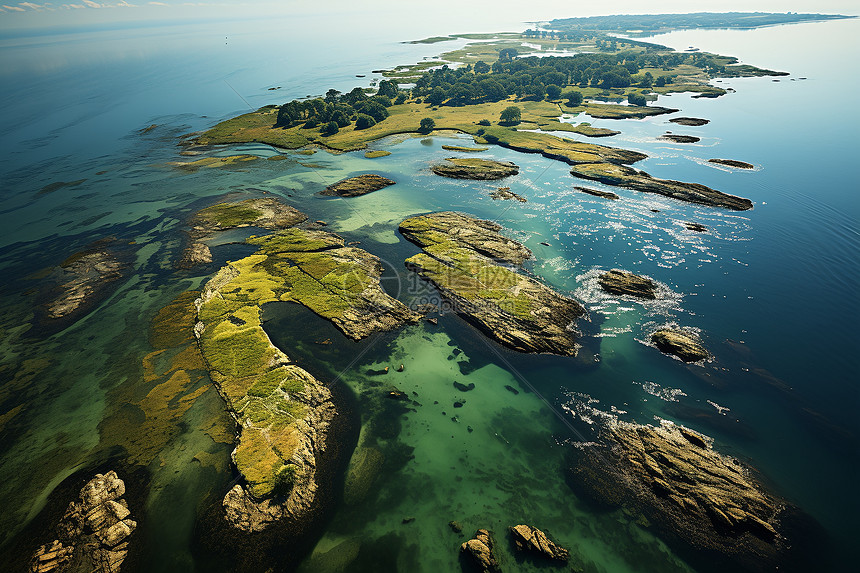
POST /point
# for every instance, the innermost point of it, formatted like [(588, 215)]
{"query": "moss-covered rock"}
[(732, 163), (283, 411), (357, 186), (472, 168), (623, 176), (597, 192), (469, 261), (677, 138), (692, 121)]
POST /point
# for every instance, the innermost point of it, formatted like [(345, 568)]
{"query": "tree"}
[(636, 99), (437, 96), (427, 125), (400, 99), (372, 108), (647, 80), (388, 88), (511, 115), (332, 95), (329, 129), (574, 99), (340, 119), (484, 122), (507, 54), (363, 121), (482, 67), (553, 92)]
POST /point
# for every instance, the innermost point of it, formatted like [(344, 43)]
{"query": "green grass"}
[(376, 153), (227, 215)]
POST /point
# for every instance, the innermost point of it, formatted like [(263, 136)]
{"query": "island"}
[(473, 266), (283, 411), (470, 168), (357, 186)]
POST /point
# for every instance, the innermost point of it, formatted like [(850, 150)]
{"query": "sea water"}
[(772, 292)]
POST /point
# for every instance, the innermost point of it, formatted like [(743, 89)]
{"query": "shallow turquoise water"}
[(773, 292)]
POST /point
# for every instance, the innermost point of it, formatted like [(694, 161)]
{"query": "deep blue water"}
[(773, 291)]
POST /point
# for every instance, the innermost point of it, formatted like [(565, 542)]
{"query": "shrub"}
[(510, 115), (574, 99), (484, 122), (636, 99), (400, 99), (329, 129)]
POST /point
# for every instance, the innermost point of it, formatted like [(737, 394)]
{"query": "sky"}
[(97, 13)]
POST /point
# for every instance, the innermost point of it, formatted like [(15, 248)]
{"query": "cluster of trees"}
[(530, 78), (337, 110)]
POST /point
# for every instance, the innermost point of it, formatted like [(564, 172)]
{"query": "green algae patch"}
[(464, 149), (210, 162), (230, 214), (474, 268), (282, 410), (376, 153)]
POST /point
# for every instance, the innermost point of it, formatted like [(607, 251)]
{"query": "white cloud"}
[(72, 6), (157, 4), (31, 6), (124, 4), (92, 4), (14, 8)]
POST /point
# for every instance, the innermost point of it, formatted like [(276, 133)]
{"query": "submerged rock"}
[(623, 176), (79, 283), (471, 168), (674, 477), (528, 538), (684, 345), (624, 283), (480, 550), (469, 261), (93, 533), (697, 227), (357, 186)]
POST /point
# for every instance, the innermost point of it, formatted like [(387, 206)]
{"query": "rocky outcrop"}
[(471, 168), (693, 121), (506, 194), (624, 283), (680, 483), (94, 532), (284, 413), (623, 176), (480, 550), (684, 345), (676, 138), (732, 163), (469, 261), (697, 227), (597, 192), (264, 212), (357, 186), (532, 539)]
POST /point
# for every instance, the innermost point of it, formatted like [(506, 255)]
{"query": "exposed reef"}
[(676, 138), (690, 491), (471, 168), (93, 534), (684, 345), (284, 413), (464, 149), (533, 540), (623, 176), (624, 283), (265, 212), (732, 163), (597, 192), (357, 186), (505, 193), (691, 121), (469, 261)]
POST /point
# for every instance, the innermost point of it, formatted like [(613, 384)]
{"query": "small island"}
[(732, 163), (357, 186), (470, 263), (470, 168)]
